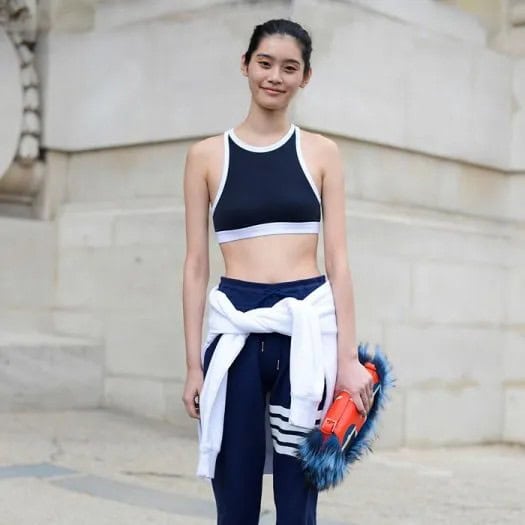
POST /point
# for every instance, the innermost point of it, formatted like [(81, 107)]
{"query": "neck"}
[(260, 121)]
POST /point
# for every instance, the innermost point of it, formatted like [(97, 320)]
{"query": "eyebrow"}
[(264, 55)]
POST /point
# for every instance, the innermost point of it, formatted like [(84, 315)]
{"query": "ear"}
[(244, 67), (306, 78)]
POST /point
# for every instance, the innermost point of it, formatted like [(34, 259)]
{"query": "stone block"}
[(490, 131), (149, 343), (385, 230), (150, 227), (455, 293), (152, 171), (391, 175), (518, 117), (398, 177), (453, 415), (22, 319), (90, 229), (42, 371), (79, 323), (381, 287), (53, 191), (436, 17), (440, 126), (126, 277), (27, 265), (482, 193), (369, 331), (514, 356), (468, 116), (452, 125), (110, 15), (514, 420), (143, 396), (430, 185), (515, 295), (121, 226), (67, 15), (516, 193), (441, 355), (391, 423)]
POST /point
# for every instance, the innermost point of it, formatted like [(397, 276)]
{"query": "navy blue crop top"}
[(265, 190)]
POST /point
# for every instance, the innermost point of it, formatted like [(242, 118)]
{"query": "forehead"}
[(281, 47)]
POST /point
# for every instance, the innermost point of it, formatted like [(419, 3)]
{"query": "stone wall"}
[(431, 124), (440, 289)]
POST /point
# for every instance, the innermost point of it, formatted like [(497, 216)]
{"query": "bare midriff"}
[(272, 258)]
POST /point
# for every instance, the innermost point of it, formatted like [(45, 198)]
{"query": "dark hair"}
[(281, 26)]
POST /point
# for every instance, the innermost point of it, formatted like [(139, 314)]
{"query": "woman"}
[(267, 182)]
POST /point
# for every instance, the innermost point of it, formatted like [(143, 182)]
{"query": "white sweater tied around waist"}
[(310, 322)]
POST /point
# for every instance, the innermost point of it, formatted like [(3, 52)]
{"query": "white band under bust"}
[(268, 228)]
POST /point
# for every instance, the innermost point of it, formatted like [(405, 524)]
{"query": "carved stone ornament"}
[(19, 90)]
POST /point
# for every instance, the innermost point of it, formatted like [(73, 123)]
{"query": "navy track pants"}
[(260, 375)]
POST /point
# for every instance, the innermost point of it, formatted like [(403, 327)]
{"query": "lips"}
[(273, 91)]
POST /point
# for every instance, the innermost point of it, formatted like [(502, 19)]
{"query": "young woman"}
[(287, 330)]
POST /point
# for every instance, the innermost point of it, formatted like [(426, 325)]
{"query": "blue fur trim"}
[(326, 464)]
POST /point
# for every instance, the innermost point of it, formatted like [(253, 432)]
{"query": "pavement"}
[(102, 467)]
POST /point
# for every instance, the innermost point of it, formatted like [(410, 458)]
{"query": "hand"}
[(192, 390), (353, 377)]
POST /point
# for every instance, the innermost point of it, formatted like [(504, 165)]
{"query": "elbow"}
[(196, 268), (337, 268)]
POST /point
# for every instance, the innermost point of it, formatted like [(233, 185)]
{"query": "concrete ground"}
[(100, 467)]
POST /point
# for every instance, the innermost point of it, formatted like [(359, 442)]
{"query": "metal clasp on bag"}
[(328, 422)]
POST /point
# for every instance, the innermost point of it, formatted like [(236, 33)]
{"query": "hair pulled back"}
[(281, 26)]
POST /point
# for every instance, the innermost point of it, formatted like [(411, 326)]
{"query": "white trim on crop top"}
[(261, 149), (268, 228)]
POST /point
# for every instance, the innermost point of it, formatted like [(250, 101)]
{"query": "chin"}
[(269, 104), (272, 107)]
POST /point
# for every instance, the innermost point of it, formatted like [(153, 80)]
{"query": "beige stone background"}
[(99, 101)]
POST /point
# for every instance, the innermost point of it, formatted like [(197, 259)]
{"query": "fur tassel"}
[(324, 462)]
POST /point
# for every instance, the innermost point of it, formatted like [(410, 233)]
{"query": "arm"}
[(196, 270), (351, 375)]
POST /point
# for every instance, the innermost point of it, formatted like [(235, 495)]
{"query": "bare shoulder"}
[(318, 143), (322, 152), (205, 149)]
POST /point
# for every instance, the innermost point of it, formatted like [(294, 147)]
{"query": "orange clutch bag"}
[(344, 434), (343, 419)]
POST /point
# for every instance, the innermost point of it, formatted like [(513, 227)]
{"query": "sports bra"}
[(265, 190)]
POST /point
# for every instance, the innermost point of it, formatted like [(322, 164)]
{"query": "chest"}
[(263, 177)]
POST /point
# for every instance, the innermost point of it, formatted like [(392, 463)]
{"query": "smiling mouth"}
[(270, 90)]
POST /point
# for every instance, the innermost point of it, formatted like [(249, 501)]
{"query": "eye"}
[(264, 63)]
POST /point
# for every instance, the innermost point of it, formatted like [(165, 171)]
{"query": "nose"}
[(275, 75)]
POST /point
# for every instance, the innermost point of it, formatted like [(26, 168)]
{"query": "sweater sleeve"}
[(306, 364)]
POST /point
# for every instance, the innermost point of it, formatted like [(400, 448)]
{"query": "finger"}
[(190, 407), (359, 405), (196, 405), (192, 411)]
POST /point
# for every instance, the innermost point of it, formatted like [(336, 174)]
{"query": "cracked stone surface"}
[(104, 467)]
